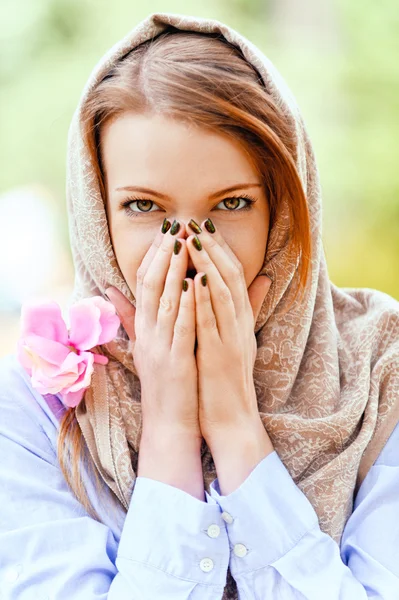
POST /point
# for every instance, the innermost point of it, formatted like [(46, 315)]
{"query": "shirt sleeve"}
[(278, 550), (172, 545), (181, 548)]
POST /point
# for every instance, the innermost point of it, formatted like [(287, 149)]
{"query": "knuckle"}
[(236, 273), (166, 304), (140, 274), (225, 295), (209, 323), (181, 330), (212, 243), (148, 283), (164, 248)]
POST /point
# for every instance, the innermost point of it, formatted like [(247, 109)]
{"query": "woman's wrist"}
[(172, 456)]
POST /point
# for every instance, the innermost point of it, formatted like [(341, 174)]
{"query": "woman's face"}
[(190, 167)]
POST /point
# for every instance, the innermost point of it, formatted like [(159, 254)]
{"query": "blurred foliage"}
[(348, 92)]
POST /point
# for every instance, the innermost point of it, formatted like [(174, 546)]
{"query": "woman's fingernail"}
[(196, 243), (175, 227), (209, 226), (194, 226), (177, 246), (165, 226), (204, 279)]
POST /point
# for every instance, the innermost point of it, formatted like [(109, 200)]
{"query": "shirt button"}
[(13, 573), (213, 531), (206, 564), (227, 517), (240, 550)]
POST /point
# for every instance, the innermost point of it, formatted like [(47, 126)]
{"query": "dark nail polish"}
[(194, 226), (209, 226), (196, 243), (177, 246), (204, 279), (165, 226), (107, 297), (175, 227), (185, 285)]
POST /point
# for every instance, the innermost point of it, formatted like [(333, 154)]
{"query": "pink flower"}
[(58, 359)]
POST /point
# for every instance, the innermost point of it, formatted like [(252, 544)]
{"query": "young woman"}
[(242, 439)]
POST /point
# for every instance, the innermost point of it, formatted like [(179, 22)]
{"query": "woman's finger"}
[(125, 309), (152, 281), (145, 263), (184, 329), (222, 294), (207, 327), (168, 306), (231, 273)]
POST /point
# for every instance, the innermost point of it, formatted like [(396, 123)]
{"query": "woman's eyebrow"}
[(237, 186)]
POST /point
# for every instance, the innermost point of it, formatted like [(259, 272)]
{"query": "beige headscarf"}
[(327, 377)]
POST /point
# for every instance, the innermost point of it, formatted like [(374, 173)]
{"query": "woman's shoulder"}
[(26, 414)]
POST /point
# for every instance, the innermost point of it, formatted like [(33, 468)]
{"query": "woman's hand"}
[(162, 333), (225, 316)]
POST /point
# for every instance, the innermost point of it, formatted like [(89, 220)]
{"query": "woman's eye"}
[(232, 204), (143, 206)]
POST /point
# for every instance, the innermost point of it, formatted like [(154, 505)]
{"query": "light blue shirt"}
[(170, 545)]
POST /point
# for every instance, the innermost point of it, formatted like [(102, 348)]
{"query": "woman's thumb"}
[(125, 309)]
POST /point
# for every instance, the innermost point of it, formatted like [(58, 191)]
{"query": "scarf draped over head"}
[(327, 370)]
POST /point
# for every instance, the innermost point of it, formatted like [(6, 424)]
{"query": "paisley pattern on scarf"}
[(326, 372)]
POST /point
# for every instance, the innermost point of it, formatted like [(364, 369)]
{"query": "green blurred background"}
[(340, 59)]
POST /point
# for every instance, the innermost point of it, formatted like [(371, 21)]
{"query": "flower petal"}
[(62, 363), (47, 378), (72, 398), (52, 352), (76, 365), (85, 368), (45, 385), (109, 320), (24, 357), (45, 320), (85, 328)]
